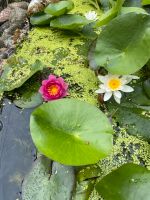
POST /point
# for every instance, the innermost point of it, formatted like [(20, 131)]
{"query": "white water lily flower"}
[(113, 84), (91, 15)]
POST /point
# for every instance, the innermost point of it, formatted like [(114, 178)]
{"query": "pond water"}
[(17, 152)]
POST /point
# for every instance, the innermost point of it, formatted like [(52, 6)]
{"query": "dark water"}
[(17, 151)]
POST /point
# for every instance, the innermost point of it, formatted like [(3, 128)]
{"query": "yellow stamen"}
[(53, 90), (114, 84)]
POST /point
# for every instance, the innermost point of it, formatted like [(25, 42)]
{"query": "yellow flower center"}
[(53, 90), (114, 84)]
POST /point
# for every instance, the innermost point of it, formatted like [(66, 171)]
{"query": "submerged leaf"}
[(71, 132), (130, 181), (123, 46)]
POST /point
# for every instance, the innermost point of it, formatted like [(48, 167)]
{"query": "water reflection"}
[(17, 151)]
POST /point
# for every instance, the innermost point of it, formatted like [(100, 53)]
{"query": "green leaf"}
[(36, 184), (89, 172), (83, 190), (89, 32), (71, 132), (135, 119), (132, 3), (17, 72), (145, 2), (123, 46), (129, 182), (40, 19), (39, 184), (105, 4), (28, 96), (146, 86), (59, 8), (110, 14), (29, 102), (62, 182), (126, 10), (69, 22)]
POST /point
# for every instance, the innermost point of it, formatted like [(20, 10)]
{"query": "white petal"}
[(107, 96), (100, 91), (128, 78), (112, 76), (133, 76), (102, 78), (126, 88), (117, 94), (117, 99), (104, 86)]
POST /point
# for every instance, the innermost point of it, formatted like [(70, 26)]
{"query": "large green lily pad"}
[(71, 132), (129, 182), (123, 46)]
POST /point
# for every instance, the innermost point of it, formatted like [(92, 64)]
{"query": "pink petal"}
[(52, 78), (44, 82), (41, 90)]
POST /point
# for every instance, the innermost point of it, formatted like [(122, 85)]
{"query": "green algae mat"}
[(80, 82)]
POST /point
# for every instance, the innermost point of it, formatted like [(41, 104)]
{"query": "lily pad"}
[(71, 132), (59, 8), (27, 96), (123, 46), (40, 19), (40, 184), (69, 22), (17, 73), (29, 102), (129, 182), (134, 119)]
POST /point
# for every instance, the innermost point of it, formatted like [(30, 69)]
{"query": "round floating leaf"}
[(15, 76), (27, 96), (60, 8), (69, 22), (71, 132), (29, 100), (129, 182), (40, 19), (133, 112), (123, 46)]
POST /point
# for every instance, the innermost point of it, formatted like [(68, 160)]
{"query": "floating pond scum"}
[(28, 172)]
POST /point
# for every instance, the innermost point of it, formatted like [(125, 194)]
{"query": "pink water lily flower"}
[(53, 88)]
